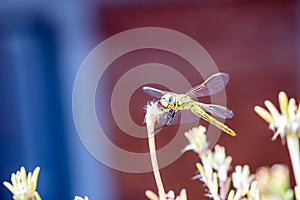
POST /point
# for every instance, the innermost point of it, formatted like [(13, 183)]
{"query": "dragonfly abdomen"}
[(201, 113)]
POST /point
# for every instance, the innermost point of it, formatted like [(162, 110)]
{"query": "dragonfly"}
[(174, 103)]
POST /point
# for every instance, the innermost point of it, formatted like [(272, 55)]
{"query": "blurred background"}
[(42, 45)]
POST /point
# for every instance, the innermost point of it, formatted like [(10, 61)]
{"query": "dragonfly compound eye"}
[(170, 100), (167, 100)]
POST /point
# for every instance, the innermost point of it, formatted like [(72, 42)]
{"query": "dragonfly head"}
[(168, 101)]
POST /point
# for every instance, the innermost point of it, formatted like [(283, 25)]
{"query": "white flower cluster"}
[(286, 125), (23, 186), (214, 170), (169, 196), (80, 198)]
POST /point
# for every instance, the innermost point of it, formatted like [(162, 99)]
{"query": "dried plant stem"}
[(160, 187), (150, 122), (293, 147)]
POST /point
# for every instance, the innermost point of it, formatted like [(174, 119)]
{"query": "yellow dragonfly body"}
[(173, 103)]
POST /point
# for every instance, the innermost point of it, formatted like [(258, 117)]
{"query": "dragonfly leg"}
[(171, 113)]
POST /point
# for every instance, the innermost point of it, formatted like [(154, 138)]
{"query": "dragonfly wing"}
[(212, 85), (154, 92), (186, 116), (182, 116), (217, 110)]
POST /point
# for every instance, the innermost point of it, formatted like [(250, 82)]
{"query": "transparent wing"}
[(155, 92), (212, 85), (182, 116), (216, 110)]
